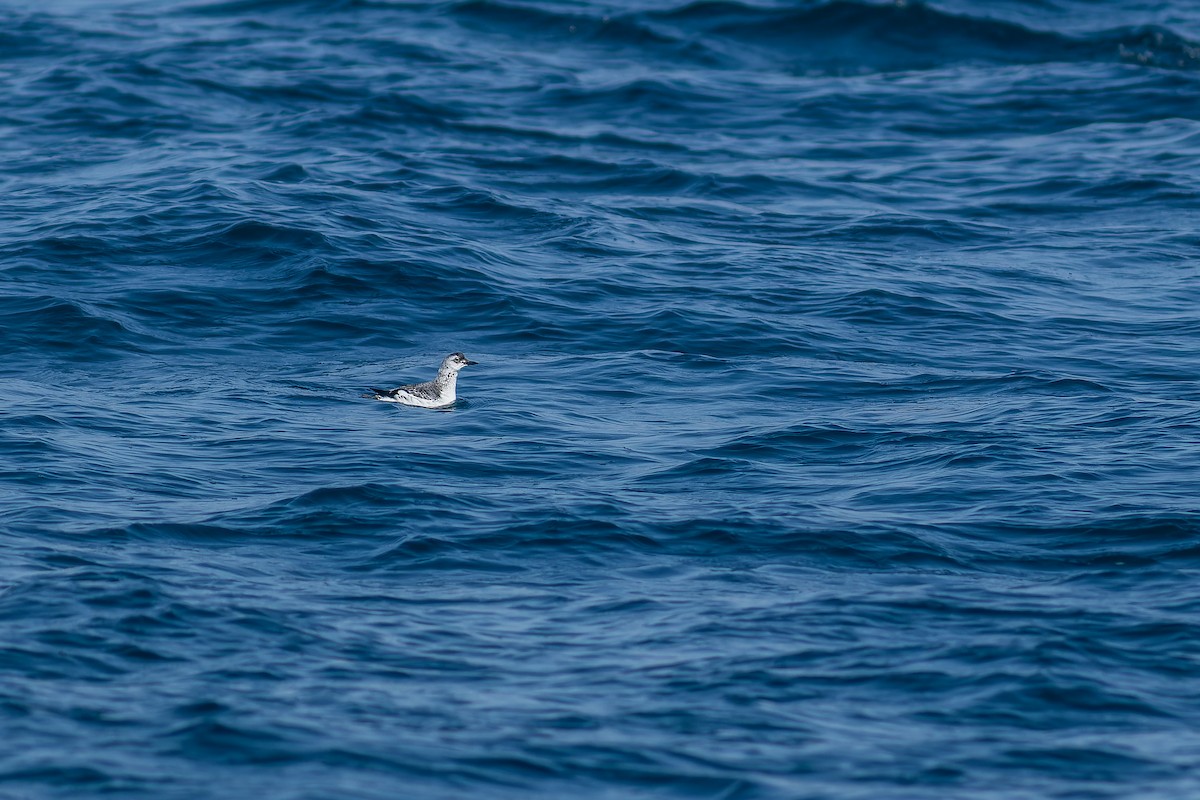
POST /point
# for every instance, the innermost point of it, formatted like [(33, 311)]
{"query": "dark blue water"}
[(836, 432)]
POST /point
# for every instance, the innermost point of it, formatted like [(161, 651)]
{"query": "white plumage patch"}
[(446, 398)]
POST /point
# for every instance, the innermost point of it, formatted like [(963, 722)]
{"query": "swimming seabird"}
[(436, 393)]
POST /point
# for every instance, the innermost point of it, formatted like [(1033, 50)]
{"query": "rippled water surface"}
[(834, 433)]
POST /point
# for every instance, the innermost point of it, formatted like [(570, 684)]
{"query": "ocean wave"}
[(65, 329), (852, 37), (526, 20)]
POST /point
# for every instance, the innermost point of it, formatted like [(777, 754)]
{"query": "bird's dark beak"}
[(471, 363)]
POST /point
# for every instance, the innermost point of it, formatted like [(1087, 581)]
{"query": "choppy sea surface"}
[(836, 431)]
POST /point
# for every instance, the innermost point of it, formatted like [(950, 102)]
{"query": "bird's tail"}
[(377, 393)]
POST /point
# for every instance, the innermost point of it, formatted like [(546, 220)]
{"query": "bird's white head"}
[(456, 361)]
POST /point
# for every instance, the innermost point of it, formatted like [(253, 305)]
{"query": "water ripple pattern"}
[(834, 434)]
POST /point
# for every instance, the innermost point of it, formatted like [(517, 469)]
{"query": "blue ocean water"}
[(835, 432)]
